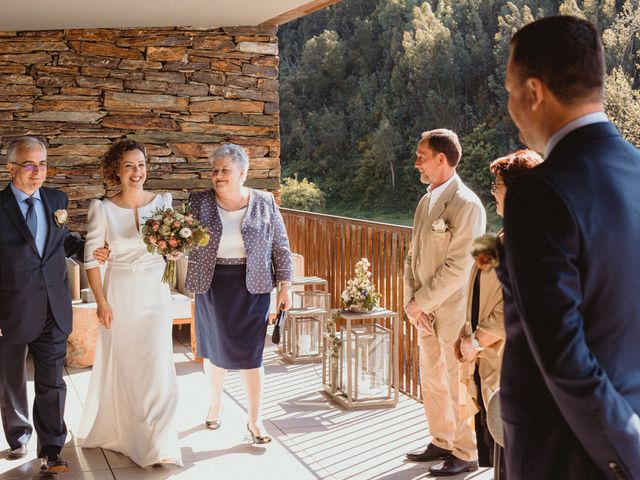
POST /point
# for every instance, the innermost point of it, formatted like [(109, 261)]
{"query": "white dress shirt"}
[(439, 190), (588, 119)]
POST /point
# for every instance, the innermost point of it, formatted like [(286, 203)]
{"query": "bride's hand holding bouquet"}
[(172, 234)]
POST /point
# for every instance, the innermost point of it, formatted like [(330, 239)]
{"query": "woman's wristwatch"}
[(283, 283), (475, 343)]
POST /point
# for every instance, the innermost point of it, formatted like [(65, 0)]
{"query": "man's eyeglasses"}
[(32, 167), (495, 185)]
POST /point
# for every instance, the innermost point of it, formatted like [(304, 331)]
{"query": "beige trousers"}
[(439, 379)]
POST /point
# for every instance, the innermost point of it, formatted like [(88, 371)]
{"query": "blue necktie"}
[(32, 219)]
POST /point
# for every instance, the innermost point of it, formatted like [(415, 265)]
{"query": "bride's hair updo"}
[(111, 160)]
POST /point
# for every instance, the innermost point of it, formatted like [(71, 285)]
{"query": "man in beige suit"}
[(437, 268)]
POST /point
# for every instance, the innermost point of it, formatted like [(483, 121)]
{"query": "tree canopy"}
[(361, 80)]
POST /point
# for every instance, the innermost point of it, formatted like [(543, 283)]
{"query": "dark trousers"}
[(48, 352), (483, 437)]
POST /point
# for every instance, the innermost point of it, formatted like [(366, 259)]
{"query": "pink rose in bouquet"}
[(171, 233)]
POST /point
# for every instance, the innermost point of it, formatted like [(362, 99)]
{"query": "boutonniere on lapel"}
[(61, 216), (440, 225), (485, 251)]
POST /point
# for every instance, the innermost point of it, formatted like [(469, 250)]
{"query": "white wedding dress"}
[(133, 394)]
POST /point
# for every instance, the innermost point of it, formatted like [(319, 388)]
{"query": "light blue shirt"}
[(588, 119), (41, 215)]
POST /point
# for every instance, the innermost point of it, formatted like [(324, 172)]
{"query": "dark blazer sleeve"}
[(543, 246)]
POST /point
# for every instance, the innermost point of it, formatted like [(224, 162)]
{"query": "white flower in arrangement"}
[(360, 294), (185, 232), (440, 225)]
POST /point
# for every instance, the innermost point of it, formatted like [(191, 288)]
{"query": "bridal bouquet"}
[(360, 294), (172, 233)]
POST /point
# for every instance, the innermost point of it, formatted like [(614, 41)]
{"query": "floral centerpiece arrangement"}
[(485, 251), (172, 233), (360, 295)]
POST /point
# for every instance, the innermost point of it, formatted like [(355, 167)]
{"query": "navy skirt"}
[(231, 323)]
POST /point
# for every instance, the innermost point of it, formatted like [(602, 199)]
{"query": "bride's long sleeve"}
[(96, 233)]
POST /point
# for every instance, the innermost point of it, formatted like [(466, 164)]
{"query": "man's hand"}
[(425, 322), (413, 311), (102, 254), (467, 351), (105, 315)]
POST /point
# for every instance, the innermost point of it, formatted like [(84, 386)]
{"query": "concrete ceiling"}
[(66, 14)]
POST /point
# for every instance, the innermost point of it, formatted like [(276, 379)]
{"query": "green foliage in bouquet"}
[(172, 233)]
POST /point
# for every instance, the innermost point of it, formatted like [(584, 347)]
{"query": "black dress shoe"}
[(53, 464), (16, 453), (432, 452), (452, 465)]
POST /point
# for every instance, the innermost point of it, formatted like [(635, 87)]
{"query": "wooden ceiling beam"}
[(300, 11)]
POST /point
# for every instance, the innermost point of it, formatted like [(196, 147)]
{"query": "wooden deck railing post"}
[(332, 245)]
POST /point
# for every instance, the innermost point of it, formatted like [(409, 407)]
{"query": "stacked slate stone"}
[(181, 91)]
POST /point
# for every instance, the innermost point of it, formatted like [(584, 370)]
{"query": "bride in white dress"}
[(132, 398)]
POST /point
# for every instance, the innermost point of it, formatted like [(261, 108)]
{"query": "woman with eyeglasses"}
[(248, 255), (481, 342)]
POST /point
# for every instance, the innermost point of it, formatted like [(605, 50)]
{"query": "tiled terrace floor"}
[(313, 439)]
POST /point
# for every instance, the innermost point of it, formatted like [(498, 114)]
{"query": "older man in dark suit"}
[(570, 389), (35, 306)]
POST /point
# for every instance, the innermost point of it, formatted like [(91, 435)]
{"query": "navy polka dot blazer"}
[(265, 241)]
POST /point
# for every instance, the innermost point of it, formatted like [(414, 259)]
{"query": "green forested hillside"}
[(362, 79)]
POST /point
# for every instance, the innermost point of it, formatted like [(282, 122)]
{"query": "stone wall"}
[(181, 91)]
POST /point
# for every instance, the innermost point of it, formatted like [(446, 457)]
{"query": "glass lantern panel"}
[(308, 335), (371, 346), (310, 299)]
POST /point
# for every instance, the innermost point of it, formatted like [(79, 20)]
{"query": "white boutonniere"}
[(60, 216), (440, 226)]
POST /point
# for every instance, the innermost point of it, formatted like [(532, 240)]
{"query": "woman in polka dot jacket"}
[(248, 255)]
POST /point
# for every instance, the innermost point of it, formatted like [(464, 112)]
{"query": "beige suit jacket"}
[(491, 321), (437, 266)]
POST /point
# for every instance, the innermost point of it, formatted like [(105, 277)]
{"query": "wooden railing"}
[(331, 246)]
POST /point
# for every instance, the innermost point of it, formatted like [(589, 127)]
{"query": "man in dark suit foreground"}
[(570, 388), (35, 306)]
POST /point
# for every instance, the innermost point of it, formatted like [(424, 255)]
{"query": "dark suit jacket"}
[(29, 284), (570, 387)]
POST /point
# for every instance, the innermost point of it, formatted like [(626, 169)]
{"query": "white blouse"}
[(116, 226), (231, 242)]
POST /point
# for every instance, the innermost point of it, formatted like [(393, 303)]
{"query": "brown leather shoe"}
[(16, 453), (53, 465), (452, 465), (432, 452)]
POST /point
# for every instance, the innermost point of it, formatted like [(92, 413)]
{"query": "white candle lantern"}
[(360, 363)]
